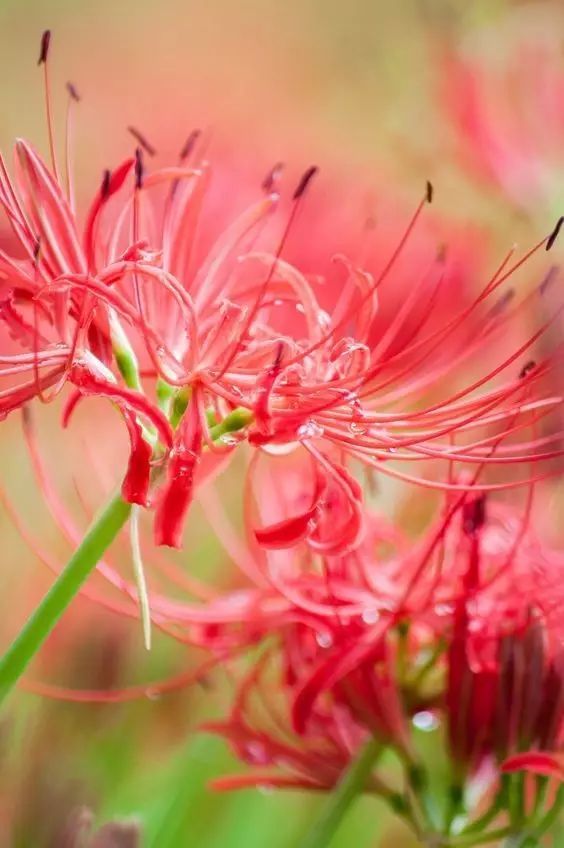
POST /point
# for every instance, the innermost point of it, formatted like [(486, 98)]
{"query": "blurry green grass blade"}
[(345, 793), (66, 586), (170, 824)]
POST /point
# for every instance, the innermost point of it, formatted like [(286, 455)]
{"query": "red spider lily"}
[(260, 735), (506, 110), (240, 346), (506, 659)]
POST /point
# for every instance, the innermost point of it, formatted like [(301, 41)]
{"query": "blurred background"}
[(368, 89)]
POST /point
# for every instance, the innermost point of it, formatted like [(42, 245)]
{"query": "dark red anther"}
[(429, 192), (73, 93), (554, 234), (44, 50), (270, 182), (527, 368), (105, 187), (139, 169), (307, 176), (143, 141), (474, 515), (189, 144)]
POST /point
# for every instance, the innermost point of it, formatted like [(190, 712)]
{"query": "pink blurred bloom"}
[(506, 110)]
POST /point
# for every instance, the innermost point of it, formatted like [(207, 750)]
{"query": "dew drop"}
[(323, 319), (324, 639), (370, 615), (444, 609), (425, 721), (256, 753), (310, 430), (229, 439), (357, 428)]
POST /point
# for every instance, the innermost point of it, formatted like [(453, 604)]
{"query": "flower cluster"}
[(220, 346)]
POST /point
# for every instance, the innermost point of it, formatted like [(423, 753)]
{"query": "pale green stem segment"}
[(39, 625), (350, 787), (139, 573)]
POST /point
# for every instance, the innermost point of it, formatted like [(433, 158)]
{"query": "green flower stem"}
[(489, 816), (352, 785), (465, 841), (44, 618), (551, 817), (235, 420)]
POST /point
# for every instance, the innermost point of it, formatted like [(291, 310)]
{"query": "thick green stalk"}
[(350, 787), (39, 625)]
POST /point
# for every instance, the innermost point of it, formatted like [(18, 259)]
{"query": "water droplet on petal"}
[(323, 319), (324, 639), (256, 753), (425, 721), (229, 439), (370, 616), (357, 428), (310, 430), (444, 609)]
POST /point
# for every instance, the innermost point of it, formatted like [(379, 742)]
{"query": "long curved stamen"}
[(44, 61)]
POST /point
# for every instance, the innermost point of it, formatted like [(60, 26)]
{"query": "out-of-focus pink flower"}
[(506, 110)]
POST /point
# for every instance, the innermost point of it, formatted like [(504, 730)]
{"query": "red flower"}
[(506, 658), (241, 346)]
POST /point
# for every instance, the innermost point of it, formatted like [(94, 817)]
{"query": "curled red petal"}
[(178, 491), (289, 531), (286, 533), (546, 763), (135, 486)]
